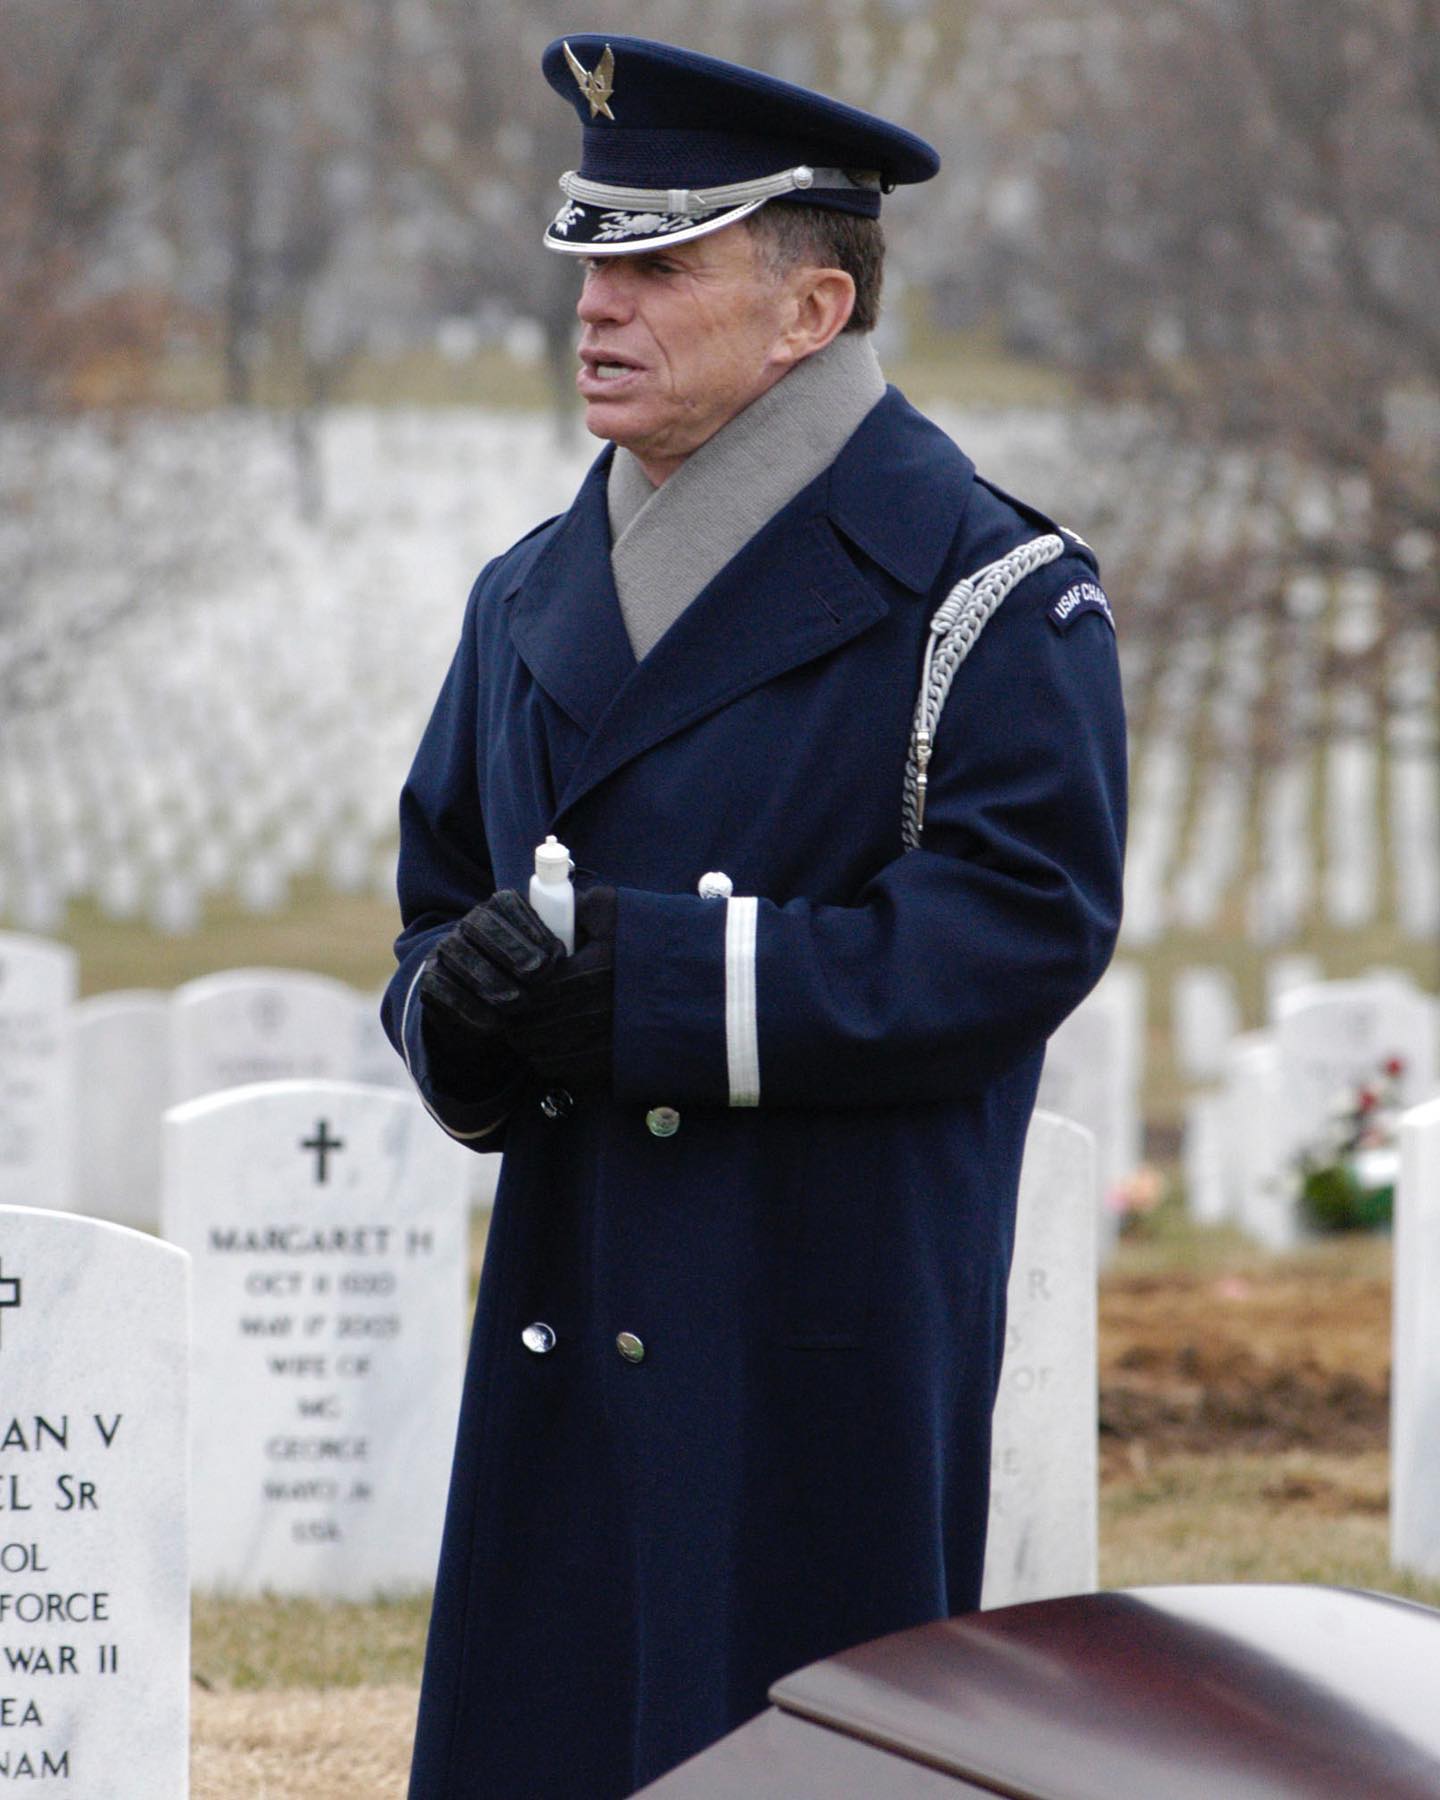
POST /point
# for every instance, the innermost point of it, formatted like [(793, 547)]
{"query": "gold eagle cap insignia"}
[(596, 88)]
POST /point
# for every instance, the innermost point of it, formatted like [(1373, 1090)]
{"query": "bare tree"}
[(1233, 214), (78, 95)]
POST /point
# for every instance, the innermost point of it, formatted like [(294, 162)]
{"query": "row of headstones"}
[(1179, 875), (171, 898), (266, 1403), (1276, 1094), (323, 1404), (136, 1052), (1332, 1037), (84, 1085), (214, 745), (171, 794), (263, 1402)]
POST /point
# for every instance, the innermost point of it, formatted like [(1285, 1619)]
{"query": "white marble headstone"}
[(1335, 1037), (37, 1101), (1092, 1075), (1415, 1378), (377, 1062), (328, 1226), (1043, 1462), (1284, 974), (1205, 1016), (122, 1087), (1203, 1155), (94, 1591), (485, 1179), (248, 1025), (1260, 1185)]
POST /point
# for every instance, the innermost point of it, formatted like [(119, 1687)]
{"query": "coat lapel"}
[(790, 596), (565, 617)]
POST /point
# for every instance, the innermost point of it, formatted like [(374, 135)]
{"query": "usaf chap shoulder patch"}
[(1083, 597)]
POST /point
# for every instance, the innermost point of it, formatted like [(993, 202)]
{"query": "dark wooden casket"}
[(1176, 1693)]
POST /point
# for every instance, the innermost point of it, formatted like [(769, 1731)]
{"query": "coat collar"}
[(896, 491)]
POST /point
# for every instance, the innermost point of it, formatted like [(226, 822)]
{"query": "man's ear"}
[(821, 303)]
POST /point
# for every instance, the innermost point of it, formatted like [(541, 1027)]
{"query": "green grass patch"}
[(1300, 1516), (969, 368), (194, 381), (347, 936), (269, 1643), (1169, 1242)]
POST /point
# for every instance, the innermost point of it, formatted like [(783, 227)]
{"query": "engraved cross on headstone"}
[(9, 1289), (322, 1144)]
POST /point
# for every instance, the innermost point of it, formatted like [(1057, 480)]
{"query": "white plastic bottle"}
[(551, 892)]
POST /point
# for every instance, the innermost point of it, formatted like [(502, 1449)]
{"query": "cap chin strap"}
[(714, 199)]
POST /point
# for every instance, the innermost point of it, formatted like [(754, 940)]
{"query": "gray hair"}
[(787, 235)]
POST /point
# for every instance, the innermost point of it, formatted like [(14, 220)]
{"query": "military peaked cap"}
[(675, 145)]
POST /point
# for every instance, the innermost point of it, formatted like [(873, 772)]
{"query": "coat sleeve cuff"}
[(474, 1123), (671, 1039)]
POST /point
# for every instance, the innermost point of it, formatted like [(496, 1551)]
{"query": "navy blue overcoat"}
[(789, 1452)]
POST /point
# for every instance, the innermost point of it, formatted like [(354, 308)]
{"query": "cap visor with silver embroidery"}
[(581, 230)]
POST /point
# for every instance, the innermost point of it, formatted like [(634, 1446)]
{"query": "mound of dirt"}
[(1236, 1363)]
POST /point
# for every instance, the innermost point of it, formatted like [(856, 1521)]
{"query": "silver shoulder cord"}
[(962, 617)]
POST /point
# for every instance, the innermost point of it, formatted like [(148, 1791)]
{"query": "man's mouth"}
[(601, 370), (606, 364)]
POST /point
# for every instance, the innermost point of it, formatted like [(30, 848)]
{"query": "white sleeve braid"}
[(742, 1039), (953, 631)]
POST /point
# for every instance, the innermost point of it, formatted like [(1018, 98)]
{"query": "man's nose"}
[(605, 294)]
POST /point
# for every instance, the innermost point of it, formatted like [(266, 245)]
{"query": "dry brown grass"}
[(300, 1744), (1298, 1516)]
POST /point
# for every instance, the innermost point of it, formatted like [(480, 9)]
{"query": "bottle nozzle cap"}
[(552, 860)]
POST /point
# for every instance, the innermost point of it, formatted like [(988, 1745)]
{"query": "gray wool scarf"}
[(670, 542)]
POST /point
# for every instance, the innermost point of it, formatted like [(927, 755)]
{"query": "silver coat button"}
[(538, 1338), (662, 1121), (559, 1103), (630, 1347), (716, 885)]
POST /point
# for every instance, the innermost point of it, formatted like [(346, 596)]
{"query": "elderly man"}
[(832, 730)]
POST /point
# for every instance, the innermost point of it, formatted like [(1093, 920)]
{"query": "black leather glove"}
[(471, 975), (502, 968), (493, 955), (563, 1025), (468, 1063)]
